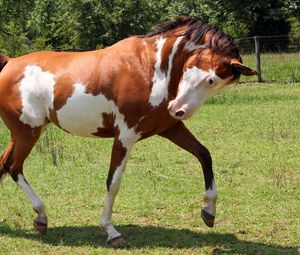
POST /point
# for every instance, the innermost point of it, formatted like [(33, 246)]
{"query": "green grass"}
[(275, 67), (253, 133)]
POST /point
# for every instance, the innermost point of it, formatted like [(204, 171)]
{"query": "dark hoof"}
[(117, 242), (40, 227), (208, 218)]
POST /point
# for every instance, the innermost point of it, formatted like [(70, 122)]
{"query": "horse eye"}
[(210, 81)]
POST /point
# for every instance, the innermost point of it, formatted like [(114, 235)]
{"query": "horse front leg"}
[(119, 156), (182, 137)]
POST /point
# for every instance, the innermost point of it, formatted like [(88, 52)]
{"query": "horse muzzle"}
[(179, 112)]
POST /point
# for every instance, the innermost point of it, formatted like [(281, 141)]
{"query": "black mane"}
[(166, 26), (219, 41)]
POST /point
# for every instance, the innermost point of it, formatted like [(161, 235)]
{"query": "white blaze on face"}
[(161, 80), (195, 88), (36, 89)]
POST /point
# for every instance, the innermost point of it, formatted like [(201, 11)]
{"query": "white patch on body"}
[(210, 198), (82, 115), (160, 81), (194, 90), (36, 89)]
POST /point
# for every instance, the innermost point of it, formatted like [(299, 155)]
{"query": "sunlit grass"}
[(253, 133), (275, 67)]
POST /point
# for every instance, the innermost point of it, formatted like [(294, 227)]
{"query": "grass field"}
[(253, 133), (275, 67)]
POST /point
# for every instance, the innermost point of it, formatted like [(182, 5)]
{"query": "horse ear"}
[(244, 70)]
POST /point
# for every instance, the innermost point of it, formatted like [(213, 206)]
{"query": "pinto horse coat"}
[(138, 87)]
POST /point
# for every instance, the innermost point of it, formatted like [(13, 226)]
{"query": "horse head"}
[(212, 61)]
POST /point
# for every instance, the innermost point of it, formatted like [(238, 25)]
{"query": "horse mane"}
[(219, 41), (167, 26)]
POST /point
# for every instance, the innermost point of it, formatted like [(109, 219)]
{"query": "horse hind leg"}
[(40, 222), (3, 159), (20, 147)]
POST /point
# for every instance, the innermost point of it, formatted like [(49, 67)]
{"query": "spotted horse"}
[(139, 87)]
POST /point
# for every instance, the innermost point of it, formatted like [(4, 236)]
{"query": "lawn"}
[(275, 67), (253, 133)]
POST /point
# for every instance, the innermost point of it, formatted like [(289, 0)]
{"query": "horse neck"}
[(170, 56)]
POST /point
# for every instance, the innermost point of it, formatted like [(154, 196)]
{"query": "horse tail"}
[(3, 61)]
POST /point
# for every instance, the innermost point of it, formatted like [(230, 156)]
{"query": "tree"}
[(88, 24), (13, 20)]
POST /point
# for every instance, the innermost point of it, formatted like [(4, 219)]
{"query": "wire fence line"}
[(276, 58)]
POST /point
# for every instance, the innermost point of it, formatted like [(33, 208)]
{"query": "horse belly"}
[(84, 114)]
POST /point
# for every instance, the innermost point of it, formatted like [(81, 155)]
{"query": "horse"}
[(141, 86)]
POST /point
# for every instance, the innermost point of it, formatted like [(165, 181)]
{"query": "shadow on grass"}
[(150, 237)]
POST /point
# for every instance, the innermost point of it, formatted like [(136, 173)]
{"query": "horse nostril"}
[(179, 113)]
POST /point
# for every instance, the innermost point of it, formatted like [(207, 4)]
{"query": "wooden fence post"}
[(257, 53)]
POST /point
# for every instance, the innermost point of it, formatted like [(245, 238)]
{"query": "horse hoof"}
[(117, 242), (40, 227), (208, 218)]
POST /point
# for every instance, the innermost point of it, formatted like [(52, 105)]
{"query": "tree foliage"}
[(29, 25)]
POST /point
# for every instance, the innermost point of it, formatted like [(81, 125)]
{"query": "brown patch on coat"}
[(117, 156), (63, 89), (165, 54), (108, 126), (177, 70)]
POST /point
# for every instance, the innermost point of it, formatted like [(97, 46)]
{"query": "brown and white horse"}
[(138, 87)]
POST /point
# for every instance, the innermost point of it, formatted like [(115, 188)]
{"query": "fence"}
[(276, 58)]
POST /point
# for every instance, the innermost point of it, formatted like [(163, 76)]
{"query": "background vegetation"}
[(29, 25)]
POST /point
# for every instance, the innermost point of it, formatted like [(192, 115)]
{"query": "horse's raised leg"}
[(12, 162), (119, 156), (182, 137)]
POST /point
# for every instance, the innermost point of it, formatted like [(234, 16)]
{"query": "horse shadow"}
[(150, 237)]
